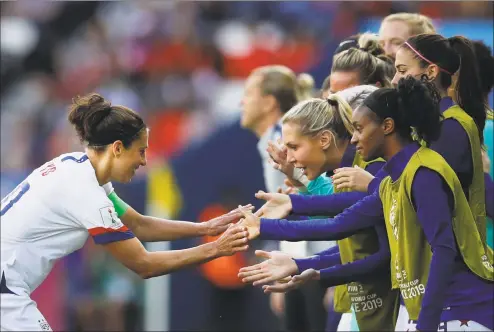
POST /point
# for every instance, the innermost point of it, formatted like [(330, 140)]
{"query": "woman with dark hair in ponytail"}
[(437, 59), (440, 61), (438, 259)]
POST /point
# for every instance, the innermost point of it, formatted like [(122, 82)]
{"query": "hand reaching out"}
[(277, 206), (277, 265), (252, 222), (233, 240), (218, 225), (294, 283)]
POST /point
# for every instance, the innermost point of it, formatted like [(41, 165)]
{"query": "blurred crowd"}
[(180, 64)]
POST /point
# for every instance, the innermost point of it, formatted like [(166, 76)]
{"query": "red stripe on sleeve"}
[(102, 230)]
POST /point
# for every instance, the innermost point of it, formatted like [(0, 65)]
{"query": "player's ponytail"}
[(468, 92), (342, 114), (99, 124), (453, 56), (485, 63), (317, 115)]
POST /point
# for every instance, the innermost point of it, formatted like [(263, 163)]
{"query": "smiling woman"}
[(99, 124), (316, 133), (60, 204)]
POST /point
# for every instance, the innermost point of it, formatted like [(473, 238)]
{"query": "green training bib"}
[(411, 254), (375, 304)]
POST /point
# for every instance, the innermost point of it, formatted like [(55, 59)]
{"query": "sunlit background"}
[(182, 65)]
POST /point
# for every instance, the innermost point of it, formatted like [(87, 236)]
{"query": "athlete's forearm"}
[(318, 262), (164, 262), (360, 270), (331, 250), (365, 213), (151, 229), (324, 205), (369, 267)]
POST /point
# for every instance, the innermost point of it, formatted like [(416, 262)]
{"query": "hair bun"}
[(87, 112), (369, 42), (96, 99)]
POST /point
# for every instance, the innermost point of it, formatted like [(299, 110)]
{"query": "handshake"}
[(278, 272), (241, 224)]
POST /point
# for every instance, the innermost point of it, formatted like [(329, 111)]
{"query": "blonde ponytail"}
[(343, 110), (316, 115)]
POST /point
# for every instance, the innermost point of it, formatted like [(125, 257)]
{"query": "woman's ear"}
[(388, 126), (432, 72), (326, 138), (117, 148)]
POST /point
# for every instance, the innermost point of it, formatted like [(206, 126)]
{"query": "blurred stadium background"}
[(182, 65)]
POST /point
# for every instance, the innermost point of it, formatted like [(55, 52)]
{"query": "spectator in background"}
[(397, 28), (270, 92)]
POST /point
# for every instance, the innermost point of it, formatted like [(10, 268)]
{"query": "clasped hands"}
[(278, 272), (277, 206)]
